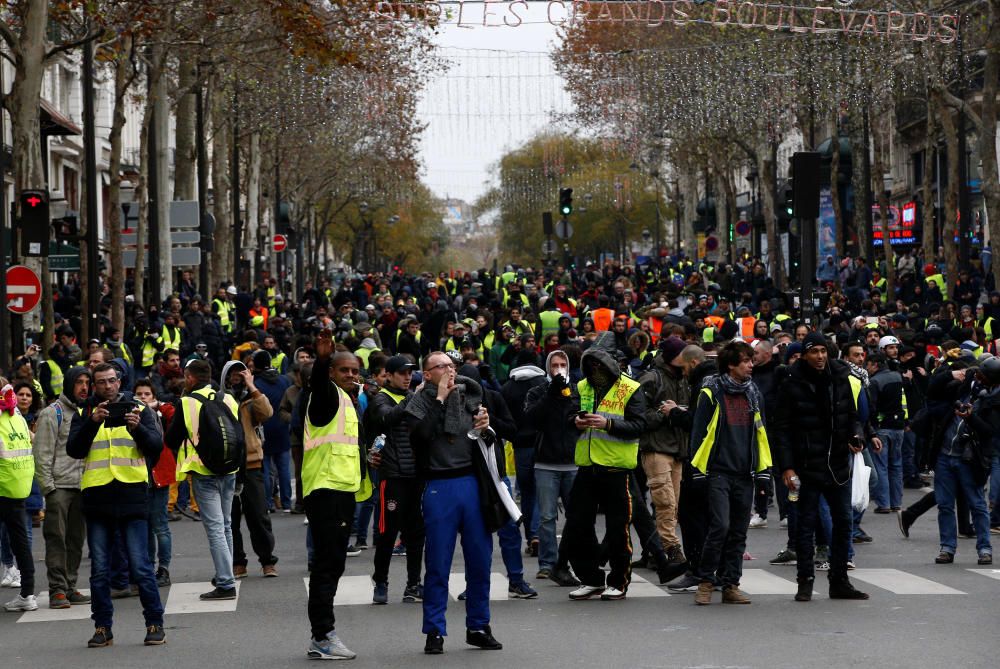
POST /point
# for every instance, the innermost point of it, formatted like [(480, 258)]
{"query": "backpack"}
[(221, 446)]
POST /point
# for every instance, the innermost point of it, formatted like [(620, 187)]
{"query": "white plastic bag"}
[(859, 483)]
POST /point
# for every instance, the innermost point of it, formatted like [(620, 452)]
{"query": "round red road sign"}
[(280, 243), (24, 290)]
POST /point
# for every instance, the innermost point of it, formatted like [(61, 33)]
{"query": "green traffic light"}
[(565, 210)]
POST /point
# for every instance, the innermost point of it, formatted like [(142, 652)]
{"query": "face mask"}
[(601, 377)]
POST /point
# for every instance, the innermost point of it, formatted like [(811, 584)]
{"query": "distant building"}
[(457, 217)]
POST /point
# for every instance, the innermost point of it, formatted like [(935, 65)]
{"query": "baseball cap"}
[(399, 363)]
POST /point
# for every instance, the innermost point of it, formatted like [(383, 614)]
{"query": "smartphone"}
[(116, 413), (581, 414), (28, 343)]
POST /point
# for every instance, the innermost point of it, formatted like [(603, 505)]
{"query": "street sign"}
[(184, 214), (549, 247), (742, 228), (180, 256), (177, 237), (24, 290), (279, 243), (564, 230), (711, 243)]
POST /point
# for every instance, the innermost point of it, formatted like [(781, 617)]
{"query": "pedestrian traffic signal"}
[(565, 201), (33, 222), (789, 198)]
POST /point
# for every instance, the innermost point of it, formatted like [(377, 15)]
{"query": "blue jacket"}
[(276, 435)]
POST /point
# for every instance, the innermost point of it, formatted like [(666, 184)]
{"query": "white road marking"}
[(762, 582), (183, 598), (991, 573), (45, 614), (901, 582)]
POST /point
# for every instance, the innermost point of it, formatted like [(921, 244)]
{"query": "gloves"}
[(485, 372), (557, 385)]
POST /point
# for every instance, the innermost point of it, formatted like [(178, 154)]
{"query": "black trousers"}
[(399, 513), (609, 489), (928, 502), (330, 514), (692, 516), (14, 516), (251, 505), (729, 502), (838, 497)]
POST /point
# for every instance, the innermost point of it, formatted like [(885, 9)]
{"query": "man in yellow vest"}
[(116, 448), (334, 477), (17, 470), (730, 446), (215, 492), (610, 420)]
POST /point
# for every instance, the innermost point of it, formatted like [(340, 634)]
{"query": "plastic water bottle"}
[(377, 446), (793, 491)]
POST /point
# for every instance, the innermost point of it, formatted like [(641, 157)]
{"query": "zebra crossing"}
[(182, 598)]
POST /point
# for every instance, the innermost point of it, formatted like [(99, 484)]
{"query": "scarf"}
[(723, 383), (464, 401), (859, 372)]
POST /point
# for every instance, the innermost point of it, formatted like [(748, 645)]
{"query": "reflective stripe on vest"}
[(17, 466), (188, 459), (113, 456), (331, 458), (174, 341), (223, 313), (704, 452), (597, 446), (55, 377)]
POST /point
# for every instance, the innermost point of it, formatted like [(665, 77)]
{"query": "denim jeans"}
[(159, 527), (889, 464), (16, 523), (509, 538), (6, 554), (952, 477), (910, 470), (278, 466), (995, 491), (551, 486), (524, 460), (101, 533), (215, 499)]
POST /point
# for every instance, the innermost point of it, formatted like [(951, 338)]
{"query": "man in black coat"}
[(816, 431)]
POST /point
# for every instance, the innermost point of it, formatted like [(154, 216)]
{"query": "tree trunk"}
[(185, 157), (161, 117), (222, 269), (253, 228), (880, 136), (116, 267), (926, 190), (949, 214), (861, 216), (142, 200), (767, 168), (838, 211), (988, 133)]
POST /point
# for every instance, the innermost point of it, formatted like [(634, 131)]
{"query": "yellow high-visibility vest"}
[(331, 456), (597, 446), (114, 456), (17, 466), (188, 459)]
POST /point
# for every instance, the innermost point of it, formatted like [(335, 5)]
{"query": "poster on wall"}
[(826, 239)]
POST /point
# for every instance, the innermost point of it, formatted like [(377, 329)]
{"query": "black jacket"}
[(515, 391), (548, 411), (814, 422), (385, 416), (115, 499)]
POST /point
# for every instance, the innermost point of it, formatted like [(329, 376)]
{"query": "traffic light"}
[(565, 201), (65, 227), (284, 218), (789, 198), (34, 222)]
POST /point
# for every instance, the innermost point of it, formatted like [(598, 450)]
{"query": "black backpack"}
[(220, 436)]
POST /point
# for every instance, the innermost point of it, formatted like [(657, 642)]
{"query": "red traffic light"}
[(34, 201)]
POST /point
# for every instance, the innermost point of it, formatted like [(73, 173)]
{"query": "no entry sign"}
[(24, 290), (280, 243)]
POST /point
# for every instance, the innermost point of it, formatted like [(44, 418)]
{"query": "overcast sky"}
[(498, 92)]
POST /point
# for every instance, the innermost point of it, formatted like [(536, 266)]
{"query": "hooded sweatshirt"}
[(515, 391), (53, 467), (634, 422), (548, 408), (276, 435), (254, 410)]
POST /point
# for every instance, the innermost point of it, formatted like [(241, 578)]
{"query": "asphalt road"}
[(920, 615)]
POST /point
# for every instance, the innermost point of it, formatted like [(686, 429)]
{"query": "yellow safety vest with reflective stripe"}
[(174, 341), (704, 452), (114, 456), (148, 352), (549, 320), (188, 459), (223, 312), (278, 360), (988, 328), (937, 280), (331, 456), (120, 350), (17, 466), (272, 298), (55, 377), (365, 353), (596, 446)]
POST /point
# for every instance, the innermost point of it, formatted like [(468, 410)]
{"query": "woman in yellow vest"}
[(730, 448), (334, 477), (17, 471)]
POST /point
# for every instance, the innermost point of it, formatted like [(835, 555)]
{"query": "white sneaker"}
[(784, 522), (610, 594), (5, 579), (331, 648), (12, 578), (757, 522), (586, 591), (19, 603), (851, 565)]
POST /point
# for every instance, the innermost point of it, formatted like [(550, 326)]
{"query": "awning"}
[(54, 123)]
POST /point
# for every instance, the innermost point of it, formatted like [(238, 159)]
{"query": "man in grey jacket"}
[(58, 476)]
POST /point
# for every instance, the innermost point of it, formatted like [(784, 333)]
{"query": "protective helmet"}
[(990, 370), (888, 340)]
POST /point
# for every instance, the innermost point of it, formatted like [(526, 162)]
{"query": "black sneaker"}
[(102, 638), (904, 521), (434, 644), (219, 594), (532, 550), (944, 557), (844, 590), (564, 578), (162, 578), (482, 639), (985, 558), (413, 593), (862, 537), (155, 636)]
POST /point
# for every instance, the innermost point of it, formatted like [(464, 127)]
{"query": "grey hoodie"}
[(53, 467)]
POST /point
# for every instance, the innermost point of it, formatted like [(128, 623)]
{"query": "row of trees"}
[(313, 100), (708, 101)]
